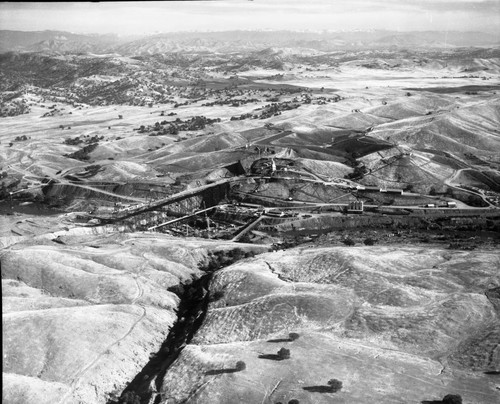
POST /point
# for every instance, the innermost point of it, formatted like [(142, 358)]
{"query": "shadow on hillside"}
[(272, 357), (291, 337), (220, 371), (320, 389)]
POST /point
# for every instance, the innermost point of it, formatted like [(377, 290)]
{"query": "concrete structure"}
[(355, 207), (392, 191), (371, 189)]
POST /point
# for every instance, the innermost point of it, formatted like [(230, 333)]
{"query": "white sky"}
[(315, 15)]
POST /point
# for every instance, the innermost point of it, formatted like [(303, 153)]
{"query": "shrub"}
[(348, 241), (130, 397), (452, 399), (369, 241), (83, 154), (335, 384), (216, 296), (236, 254)]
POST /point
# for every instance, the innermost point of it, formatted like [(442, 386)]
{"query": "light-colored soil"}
[(383, 320), (80, 321)]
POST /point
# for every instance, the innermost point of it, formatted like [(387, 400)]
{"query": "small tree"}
[(284, 353), (240, 365), (130, 397), (236, 254), (369, 241), (348, 241), (293, 336), (452, 399), (335, 385)]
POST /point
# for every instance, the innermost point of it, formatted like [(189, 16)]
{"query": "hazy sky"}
[(315, 15)]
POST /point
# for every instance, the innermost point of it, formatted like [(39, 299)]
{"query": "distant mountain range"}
[(233, 41)]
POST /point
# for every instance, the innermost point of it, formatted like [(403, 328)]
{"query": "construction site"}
[(274, 200)]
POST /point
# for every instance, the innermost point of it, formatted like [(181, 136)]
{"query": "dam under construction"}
[(272, 203)]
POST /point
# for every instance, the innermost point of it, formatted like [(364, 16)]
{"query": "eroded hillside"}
[(81, 317), (393, 324)]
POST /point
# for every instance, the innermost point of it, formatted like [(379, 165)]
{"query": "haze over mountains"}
[(227, 41)]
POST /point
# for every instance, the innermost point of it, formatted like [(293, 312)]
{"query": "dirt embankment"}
[(439, 220), (116, 192)]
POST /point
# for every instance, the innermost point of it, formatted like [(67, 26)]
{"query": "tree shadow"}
[(320, 389), (291, 337), (272, 357), (492, 372), (431, 402), (220, 371)]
